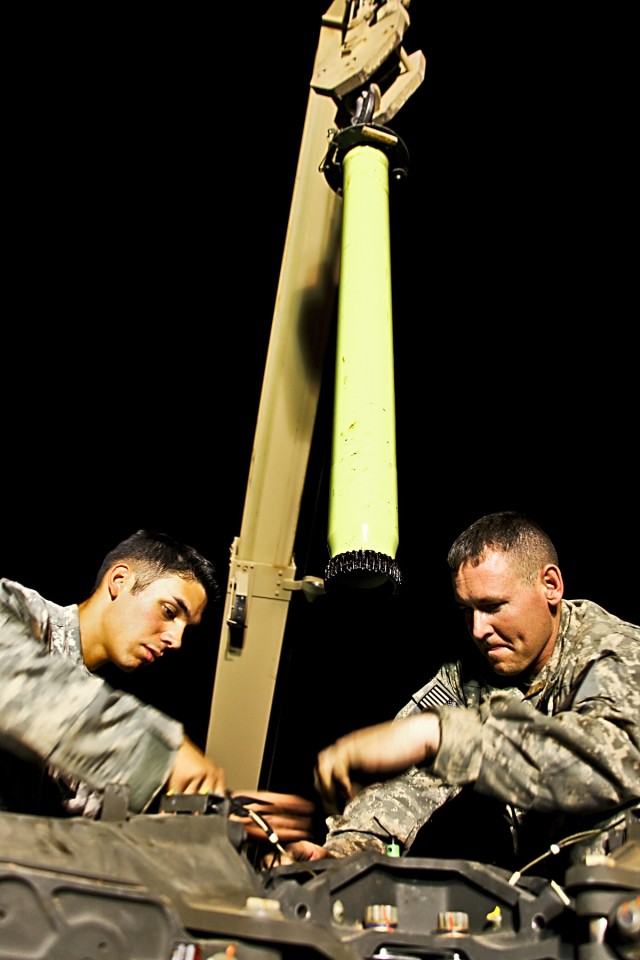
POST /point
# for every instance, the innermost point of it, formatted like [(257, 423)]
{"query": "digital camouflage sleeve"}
[(54, 713), (567, 751)]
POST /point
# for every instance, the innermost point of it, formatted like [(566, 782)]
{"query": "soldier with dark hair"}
[(66, 733), (533, 738), (158, 553)]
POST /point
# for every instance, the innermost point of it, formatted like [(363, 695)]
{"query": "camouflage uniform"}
[(56, 715), (560, 757)]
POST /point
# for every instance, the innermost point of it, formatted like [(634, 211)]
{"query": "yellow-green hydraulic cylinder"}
[(363, 509)]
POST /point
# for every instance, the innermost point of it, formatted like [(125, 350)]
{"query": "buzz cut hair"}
[(157, 555), (510, 532)]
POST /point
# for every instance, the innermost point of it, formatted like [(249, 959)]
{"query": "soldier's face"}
[(142, 627), (511, 622)]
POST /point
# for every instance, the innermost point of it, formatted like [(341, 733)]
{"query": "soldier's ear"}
[(116, 579), (553, 584)]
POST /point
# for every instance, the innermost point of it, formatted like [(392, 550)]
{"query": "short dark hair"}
[(158, 555), (507, 531)]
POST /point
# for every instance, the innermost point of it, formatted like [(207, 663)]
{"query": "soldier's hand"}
[(296, 852), (193, 772), (385, 748)]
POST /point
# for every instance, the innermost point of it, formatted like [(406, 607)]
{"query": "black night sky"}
[(151, 166)]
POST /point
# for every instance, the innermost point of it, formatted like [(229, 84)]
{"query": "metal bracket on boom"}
[(249, 580)]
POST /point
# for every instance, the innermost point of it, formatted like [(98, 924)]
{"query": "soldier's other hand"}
[(193, 772), (385, 748), (290, 816)]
